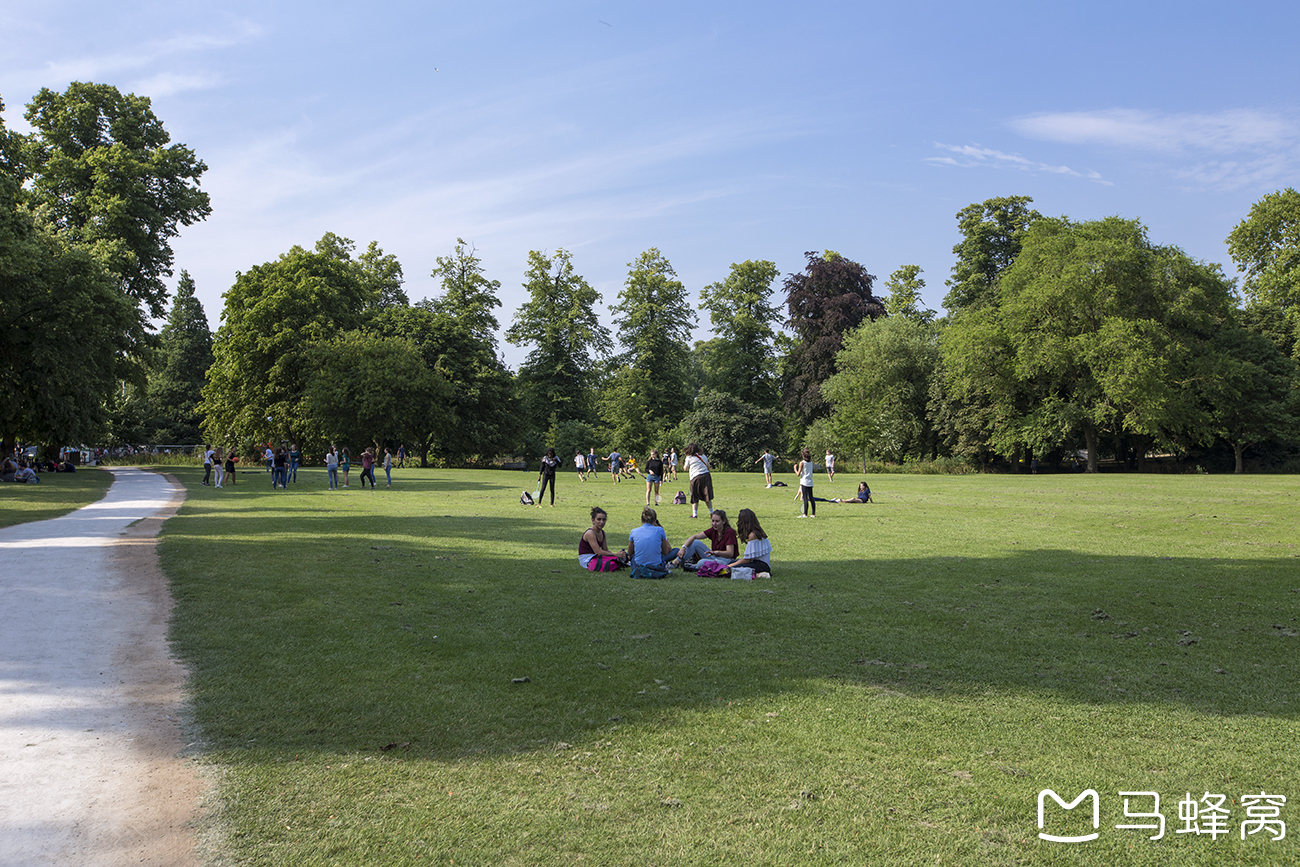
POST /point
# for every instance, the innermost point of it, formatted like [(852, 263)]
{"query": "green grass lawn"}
[(912, 676), (57, 494)]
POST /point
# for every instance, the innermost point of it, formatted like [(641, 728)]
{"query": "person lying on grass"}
[(721, 538), (863, 496), (758, 549), (593, 555)]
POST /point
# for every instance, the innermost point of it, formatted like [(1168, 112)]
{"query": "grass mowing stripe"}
[(899, 692)]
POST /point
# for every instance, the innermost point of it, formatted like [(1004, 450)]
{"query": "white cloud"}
[(1225, 131), (969, 156)]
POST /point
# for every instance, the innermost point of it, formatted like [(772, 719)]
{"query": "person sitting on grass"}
[(864, 495), (647, 545), (593, 555), (758, 549), (721, 538), (25, 475)]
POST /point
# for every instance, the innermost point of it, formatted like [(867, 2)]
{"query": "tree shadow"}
[(480, 635)]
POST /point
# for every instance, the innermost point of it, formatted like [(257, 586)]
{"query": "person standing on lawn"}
[(804, 469), (615, 464), (388, 466), (767, 460), (830, 465), (697, 466), (550, 464), (654, 474)]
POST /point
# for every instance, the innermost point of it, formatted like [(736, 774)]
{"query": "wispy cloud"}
[(1225, 131), (970, 156), (1226, 150), (144, 58)]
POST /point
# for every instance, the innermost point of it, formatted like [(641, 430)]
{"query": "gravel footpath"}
[(90, 772)]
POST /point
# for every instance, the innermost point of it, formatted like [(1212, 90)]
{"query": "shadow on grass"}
[(340, 642)]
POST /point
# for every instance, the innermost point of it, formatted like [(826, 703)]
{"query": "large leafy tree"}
[(467, 293), (560, 323), (482, 419), (176, 383), (1095, 330), (104, 174), (881, 389), (905, 300), (652, 391), (366, 390), (1266, 247), (992, 234), (67, 334), (380, 273), (730, 431), (829, 298), (274, 316), (1249, 391), (741, 359)]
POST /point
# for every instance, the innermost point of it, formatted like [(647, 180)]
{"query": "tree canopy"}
[(103, 172)]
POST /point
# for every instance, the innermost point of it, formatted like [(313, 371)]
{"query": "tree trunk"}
[(1238, 449), (1090, 441)]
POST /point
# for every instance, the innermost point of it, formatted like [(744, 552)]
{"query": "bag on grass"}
[(641, 570), (680, 499), (604, 563), (742, 573), (711, 569), (526, 499)]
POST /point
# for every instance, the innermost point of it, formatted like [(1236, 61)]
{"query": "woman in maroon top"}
[(592, 553), (721, 538)]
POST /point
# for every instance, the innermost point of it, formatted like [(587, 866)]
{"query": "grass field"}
[(901, 690), (57, 494)]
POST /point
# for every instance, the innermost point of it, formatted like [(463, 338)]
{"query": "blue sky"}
[(715, 131)]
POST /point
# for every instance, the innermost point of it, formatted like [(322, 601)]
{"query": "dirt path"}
[(89, 693)]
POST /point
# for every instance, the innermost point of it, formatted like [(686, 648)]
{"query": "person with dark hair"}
[(721, 539), (697, 465), (758, 548), (550, 464), (767, 459), (345, 464), (864, 495), (207, 464), (593, 555), (231, 457), (654, 475), (804, 469), (368, 468), (280, 469)]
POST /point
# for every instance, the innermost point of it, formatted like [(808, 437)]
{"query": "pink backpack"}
[(712, 569)]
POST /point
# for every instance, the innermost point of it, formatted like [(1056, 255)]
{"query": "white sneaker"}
[(763, 576)]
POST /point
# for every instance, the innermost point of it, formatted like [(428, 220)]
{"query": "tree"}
[(274, 316), (68, 336), (831, 297), (992, 234), (880, 391), (104, 174), (905, 287), (1266, 247), (380, 273), (1248, 388), (741, 359), (368, 390), (731, 432), (176, 384), (467, 293), (1094, 329), (484, 418), (559, 321)]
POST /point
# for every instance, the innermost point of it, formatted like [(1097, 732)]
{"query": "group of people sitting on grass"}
[(18, 470), (712, 552)]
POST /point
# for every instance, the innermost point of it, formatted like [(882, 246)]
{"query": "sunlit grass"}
[(56, 495), (899, 692)]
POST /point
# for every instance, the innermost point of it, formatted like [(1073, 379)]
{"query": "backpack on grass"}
[(526, 499)]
